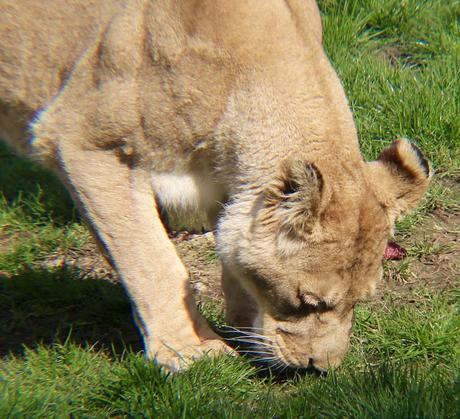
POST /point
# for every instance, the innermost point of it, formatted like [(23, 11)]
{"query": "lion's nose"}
[(312, 368)]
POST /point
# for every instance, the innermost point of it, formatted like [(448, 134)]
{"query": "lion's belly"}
[(190, 201)]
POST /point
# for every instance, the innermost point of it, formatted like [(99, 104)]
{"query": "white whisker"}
[(244, 328), (256, 352), (253, 342), (283, 365), (253, 335), (266, 360), (248, 339), (246, 331)]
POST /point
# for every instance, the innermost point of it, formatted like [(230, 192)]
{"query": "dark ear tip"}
[(403, 151), (421, 159)]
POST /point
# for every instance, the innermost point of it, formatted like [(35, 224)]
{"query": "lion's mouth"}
[(283, 364), (284, 370), (267, 354)]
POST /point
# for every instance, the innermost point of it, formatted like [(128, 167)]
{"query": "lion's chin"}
[(281, 369)]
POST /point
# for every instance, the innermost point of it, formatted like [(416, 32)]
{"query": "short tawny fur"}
[(228, 106)]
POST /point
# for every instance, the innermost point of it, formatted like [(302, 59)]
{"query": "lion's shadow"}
[(23, 180), (43, 306), (46, 306)]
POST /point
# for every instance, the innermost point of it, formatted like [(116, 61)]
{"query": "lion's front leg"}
[(240, 308), (118, 203)]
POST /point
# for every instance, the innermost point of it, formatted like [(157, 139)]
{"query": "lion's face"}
[(313, 250), (306, 287)]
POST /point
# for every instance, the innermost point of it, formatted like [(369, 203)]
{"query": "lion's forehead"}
[(355, 228), (344, 267), (356, 246)]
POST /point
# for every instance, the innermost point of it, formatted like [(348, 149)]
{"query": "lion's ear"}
[(294, 199), (400, 177)]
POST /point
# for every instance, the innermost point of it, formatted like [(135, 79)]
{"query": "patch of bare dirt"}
[(391, 54), (196, 250), (443, 267), (397, 55), (200, 258), (87, 259), (433, 260)]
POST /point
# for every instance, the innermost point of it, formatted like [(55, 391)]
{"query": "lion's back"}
[(43, 43)]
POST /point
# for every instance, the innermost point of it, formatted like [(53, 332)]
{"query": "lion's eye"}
[(322, 306), (306, 308), (318, 307)]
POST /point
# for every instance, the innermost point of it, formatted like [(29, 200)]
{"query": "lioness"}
[(231, 107)]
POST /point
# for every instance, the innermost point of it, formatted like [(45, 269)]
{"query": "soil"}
[(434, 256)]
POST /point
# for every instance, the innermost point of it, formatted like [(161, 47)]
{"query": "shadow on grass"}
[(41, 306), (22, 178)]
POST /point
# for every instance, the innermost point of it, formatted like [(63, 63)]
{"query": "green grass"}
[(425, 329), (36, 214), (399, 63), (73, 350), (404, 363)]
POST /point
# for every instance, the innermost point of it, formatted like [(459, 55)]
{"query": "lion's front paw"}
[(176, 360)]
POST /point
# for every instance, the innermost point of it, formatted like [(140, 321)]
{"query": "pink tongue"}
[(394, 251)]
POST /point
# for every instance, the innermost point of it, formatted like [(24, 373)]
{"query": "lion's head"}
[(313, 247)]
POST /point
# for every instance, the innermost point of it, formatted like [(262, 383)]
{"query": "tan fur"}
[(237, 100)]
